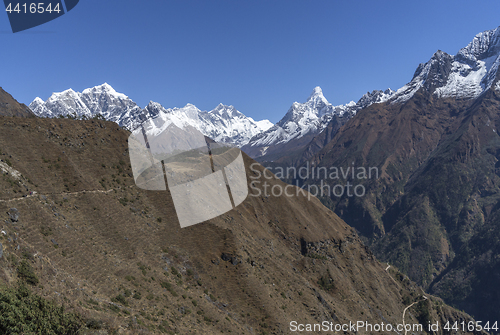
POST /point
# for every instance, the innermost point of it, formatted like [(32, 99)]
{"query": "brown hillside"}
[(116, 254), (10, 107)]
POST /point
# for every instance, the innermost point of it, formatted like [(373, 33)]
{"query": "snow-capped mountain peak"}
[(374, 97), (223, 124), (38, 101), (468, 74), (223, 110), (66, 93), (310, 118), (317, 97), (104, 89), (483, 45)]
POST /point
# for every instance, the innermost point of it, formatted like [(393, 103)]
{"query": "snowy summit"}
[(223, 124)]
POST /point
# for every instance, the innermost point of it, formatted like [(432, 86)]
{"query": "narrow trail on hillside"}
[(404, 312), (62, 193), (407, 307), (387, 270)]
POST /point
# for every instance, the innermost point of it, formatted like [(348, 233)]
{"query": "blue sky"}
[(258, 55)]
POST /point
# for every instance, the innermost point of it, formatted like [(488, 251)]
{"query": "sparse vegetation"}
[(130, 278), (169, 288), (18, 306), (326, 282), (46, 231), (120, 299), (26, 272), (316, 256), (175, 272), (92, 302)]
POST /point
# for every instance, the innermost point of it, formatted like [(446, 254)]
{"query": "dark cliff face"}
[(439, 71), (10, 107)]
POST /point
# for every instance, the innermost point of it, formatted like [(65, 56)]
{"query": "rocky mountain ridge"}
[(224, 123), (303, 121)]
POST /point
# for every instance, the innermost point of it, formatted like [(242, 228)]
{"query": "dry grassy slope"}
[(92, 235)]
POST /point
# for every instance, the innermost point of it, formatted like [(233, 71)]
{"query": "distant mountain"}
[(305, 120), (469, 73), (465, 76), (100, 100), (223, 124), (434, 211), (10, 107)]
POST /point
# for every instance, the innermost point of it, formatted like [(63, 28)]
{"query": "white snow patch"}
[(264, 124), (105, 89), (466, 81)]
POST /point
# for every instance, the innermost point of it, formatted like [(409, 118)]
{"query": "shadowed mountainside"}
[(437, 195)]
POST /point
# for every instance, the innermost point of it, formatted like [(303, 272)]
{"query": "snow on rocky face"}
[(313, 116), (223, 124), (469, 73), (100, 100)]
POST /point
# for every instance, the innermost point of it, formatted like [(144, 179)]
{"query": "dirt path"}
[(386, 270), (407, 307), (404, 312), (63, 193)]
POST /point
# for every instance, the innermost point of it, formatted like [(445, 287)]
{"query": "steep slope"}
[(224, 123), (116, 255), (10, 107), (434, 146)]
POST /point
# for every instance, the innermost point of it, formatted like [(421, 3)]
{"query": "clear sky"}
[(258, 55)]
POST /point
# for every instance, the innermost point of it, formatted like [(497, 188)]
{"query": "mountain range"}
[(307, 128), (303, 121), (223, 124), (433, 208), (260, 139), (87, 252)]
